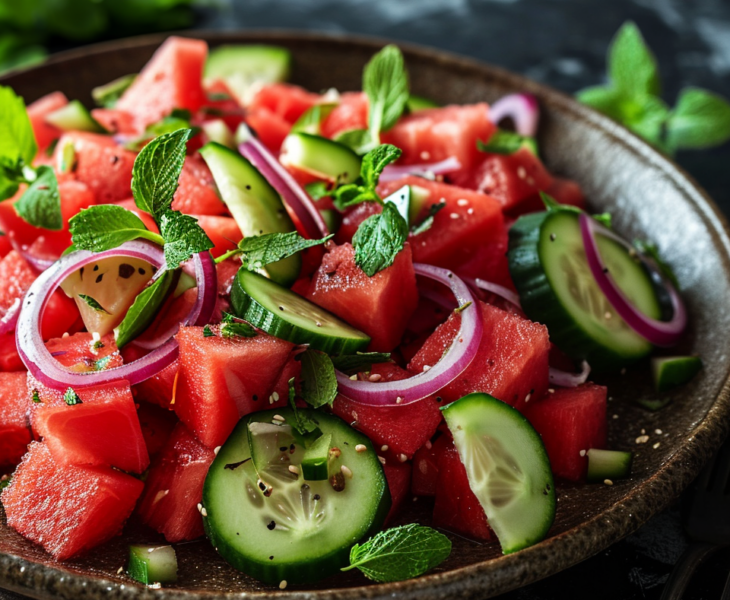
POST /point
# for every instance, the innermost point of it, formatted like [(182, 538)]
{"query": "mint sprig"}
[(364, 189), (261, 250), (507, 142), (400, 553), (183, 237), (385, 82), (107, 226), (379, 239), (319, 382)]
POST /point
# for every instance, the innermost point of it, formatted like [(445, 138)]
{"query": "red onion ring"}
[(522, 108), (282, 181), (10, 318), (499, 290), (38, 359), (395, 172), (659, 333), (566, 379), (454, 362)]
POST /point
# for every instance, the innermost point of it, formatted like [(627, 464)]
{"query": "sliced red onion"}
[(522, 108), (566, 379), (457, 358), (499, 290), (659, 333), (50, 372), (39, 263), (395, 172), (10, 319), (281, 180)]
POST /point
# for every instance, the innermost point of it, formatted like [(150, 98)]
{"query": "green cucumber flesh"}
[(321, 157), (217, 131), (152, 564), (416, 103), (608, 464), (107, 95), (549, 268), (507, 467), (288, 316), (311, 119), (670, 372), (298, 531), (74, 117), (419, 197), (316, 459), (254, 204)]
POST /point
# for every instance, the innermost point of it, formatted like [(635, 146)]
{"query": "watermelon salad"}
[(235, 308)]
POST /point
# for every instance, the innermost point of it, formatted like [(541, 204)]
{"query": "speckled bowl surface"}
[(649, 197)]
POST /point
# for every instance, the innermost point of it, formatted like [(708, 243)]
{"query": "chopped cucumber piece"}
[(315, 462), (419, 196), (416, 103), (672, 371), (152, 564), (286, 315), (217, 131), (246, 68), (107, 95), (608, 464), (255, 205), (74, 117), (549, 268), (507, 466), (67, 157), (321, 157), (331, 218), (402, 200), (294, 530), (653, 404), (311, 119)]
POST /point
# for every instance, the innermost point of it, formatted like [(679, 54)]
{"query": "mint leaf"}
[(93, 304), (360, 141), (36, 397), (156, 171), (178, 119), (319, 382), (605, 219), (379, 239), (233, 329), (428, 220), (17, 141), (357, 363), (302, 423), (504, 142), (261, 250), (183, 237), (604, 99), (632, 67), (318, 190), (106, 226), (107, 95), (701, 119), (385, 82), (144, 309), (375, 161), (71, 398), (400, 553), (40, 204)]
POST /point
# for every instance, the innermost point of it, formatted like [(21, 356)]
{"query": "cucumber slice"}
[(301, 531), (672, 371), (107, 95), (286, 315), (152, 564), (323, 158), (315, 462), (254, 204), (608, 464), (217, 131), (416, 103), (74, 117), (246, 68), (549, 268), (507, 466), (312, 118)]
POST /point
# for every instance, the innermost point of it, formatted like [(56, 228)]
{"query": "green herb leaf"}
[(106, 226), (178, 119), (144, 309), (183, 237), (650, 250), (302, 424), (5, 481), (360, 141), (71, 398), (357, 363), (319, 382), (375, 161), (604, 219), (261, 250), (631, 65), (428, 220), (107, 95), (233, 329), (208, 332), (156, 172), (385, 82), (17, 141), (318, 190), (701, 119), (379, 239), (400, 553), (605, 99), (502, 142), (40, 204), (93, 304), (102, 363), (36, 397)]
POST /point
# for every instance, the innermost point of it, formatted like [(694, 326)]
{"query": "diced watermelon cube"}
[(116, 121), (403, 428), (157, 424), (284, 100), (511, 363), (351, 113), (9, 357), (196, 193), (15, 434), (16, 276), (158, 389), (174, 487), (270, 128), (425, 471), (567, 191), (570, 420), (60, 315), (380, 305), (44, 132), (67, 509), (222, 231), (222, 379), (352, 219), (398, 476)]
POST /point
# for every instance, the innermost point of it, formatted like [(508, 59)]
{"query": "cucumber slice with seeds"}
[(286, 315), (670, 372), (608, 464), (298, 531), (321, 157), (152, 564), (507, 467)]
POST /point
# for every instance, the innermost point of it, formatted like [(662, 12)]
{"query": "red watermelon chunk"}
[(436, 134), (222, 231), (174, 487), (9, 357), (81, 352), (284, 100), (116, 121), (380, 305), (222, 379), (270, 128), (398, 476), (280, 392), (59, 317), (457, 508), (403, 428), (157, 424), (196, 193), (67, 509), (171, 79), (15, 432), (511, 363), (352, 219), (425, 471), (570, 420), (567, 191), (158, 389), (16, 276), (44, 132), (351, 113)]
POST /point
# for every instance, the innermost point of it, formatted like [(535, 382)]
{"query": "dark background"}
[(562, 43)]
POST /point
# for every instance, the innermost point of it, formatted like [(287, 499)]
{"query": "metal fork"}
[(707, 523)]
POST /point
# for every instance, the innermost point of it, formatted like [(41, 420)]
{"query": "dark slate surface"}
[(561, 43)]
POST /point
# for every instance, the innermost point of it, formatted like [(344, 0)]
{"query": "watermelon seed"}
[(115, 159), (402, 457), (375, 377), (278, 417), (384, 448), (608, 482), (120, 570), (655, 446), (283, 449), (271, 526), (294, 469), (658, 431), (381, 459), (282, 585), (271, 558), (337, 481)]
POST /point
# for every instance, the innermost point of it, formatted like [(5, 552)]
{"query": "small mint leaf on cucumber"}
[(107, 226), (234, 329), (108, 94), (360, 141), (183, 237), (318, 190), (302, 424), (359, 362), (261, 250), (379, 239), (364, 189), (400, 553), (319, 382)]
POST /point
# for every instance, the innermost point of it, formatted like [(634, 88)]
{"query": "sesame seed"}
[(375, 377), (551, 391), (643, 431), (294, 469), (527, 398), (399, 400), (279, 417), (346, 471), (521, 173), (608, 482), (402, 457), (615, 416), (462, 202), (582, 453), (655, 446), (282, 585), (428, 445), (200, 507), (271, 399), (642, 439), (217, 450), (361, 448), (66, 334), (384, 448), (607, 315), (204, 512), (454, 215), (658, 431), (426, 368), (381, 459), (275, 396), (120, 570)]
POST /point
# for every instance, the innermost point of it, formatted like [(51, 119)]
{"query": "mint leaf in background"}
[(400, 553), (385, 82), (108, 94), (379, 239), (40, 204), (17, 141), (93, 304), (156, 172), (375, 161), (701, 119), (183, 237), (144, 309), (502, 142), (360, 141), (357, 363), (319, 382), (106, 226), (632, 67), (604, 99), (647, 119)]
